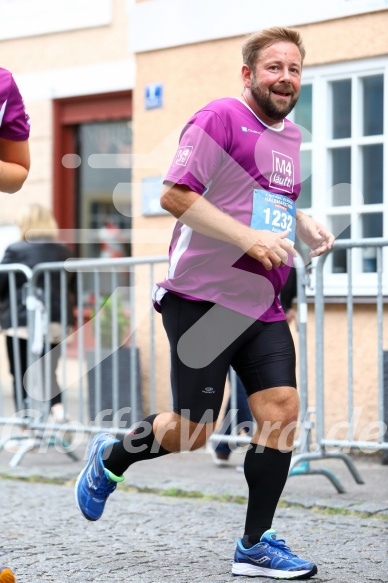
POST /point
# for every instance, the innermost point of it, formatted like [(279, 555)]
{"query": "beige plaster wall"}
[(71, 48), (54, 52), (355, 37)]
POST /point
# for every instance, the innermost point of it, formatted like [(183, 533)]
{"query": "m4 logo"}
[(283, 166), (282, 177)]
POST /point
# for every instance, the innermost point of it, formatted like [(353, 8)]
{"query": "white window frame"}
[(364, 284)]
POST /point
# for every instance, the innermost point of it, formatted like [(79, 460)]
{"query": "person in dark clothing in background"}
[(288, 295), (38, 231)]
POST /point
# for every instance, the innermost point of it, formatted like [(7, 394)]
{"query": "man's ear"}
[(246, 74)]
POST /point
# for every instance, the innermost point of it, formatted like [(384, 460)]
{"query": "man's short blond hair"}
[(260, 40)]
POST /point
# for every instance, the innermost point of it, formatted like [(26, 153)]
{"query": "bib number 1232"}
[(273, 212)]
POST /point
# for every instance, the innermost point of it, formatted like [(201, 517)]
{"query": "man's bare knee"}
[(177, 433)]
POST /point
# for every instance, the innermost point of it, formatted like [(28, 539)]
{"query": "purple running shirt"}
[(14, 121), (251, 172)]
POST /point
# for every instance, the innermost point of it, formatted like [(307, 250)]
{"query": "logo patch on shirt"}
[(248, 130), (183, 155), (282, 177)]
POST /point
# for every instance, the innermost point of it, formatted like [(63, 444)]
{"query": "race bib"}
[(273, 212)]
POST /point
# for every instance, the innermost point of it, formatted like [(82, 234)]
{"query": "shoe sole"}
[(76, 496), (248, 570)]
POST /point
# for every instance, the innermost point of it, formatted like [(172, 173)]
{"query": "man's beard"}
[(268, 106)]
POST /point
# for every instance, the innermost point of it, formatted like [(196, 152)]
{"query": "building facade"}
[(76, 72), (110, 83), (192, 54)]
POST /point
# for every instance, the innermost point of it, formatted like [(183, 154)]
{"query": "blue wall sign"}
[(153, 96)]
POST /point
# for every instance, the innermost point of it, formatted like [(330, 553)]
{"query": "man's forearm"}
[(200, 215)]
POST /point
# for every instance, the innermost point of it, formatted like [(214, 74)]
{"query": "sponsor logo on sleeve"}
[(183, 155)]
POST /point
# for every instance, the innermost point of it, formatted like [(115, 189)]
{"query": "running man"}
[(232, 186)]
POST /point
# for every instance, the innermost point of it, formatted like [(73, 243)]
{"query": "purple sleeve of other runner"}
[(14, 121)]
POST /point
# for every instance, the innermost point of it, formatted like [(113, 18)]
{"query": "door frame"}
[(68, 113)]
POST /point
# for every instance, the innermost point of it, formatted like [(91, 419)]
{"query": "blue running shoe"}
[(95, 483), (270, 558)]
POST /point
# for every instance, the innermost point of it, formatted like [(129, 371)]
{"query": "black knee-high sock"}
[(135, 447), (266, 472)]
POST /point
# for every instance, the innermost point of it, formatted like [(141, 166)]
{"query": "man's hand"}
[(315, 235), (271, 249)]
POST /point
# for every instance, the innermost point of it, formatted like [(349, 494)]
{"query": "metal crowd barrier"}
[(301, 462), (103, 274), (107, 406)]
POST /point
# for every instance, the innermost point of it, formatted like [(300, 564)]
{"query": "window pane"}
[(372, 171), (304, 199), (96, 209), (342, 106), (340, 226), (373, 118), (372, 226), (341, 173), (304, 108)]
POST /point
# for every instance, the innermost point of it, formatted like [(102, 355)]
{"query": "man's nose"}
[(285, 75)]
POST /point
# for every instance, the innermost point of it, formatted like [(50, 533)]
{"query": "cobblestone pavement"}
[(177, 520), (148, 538)]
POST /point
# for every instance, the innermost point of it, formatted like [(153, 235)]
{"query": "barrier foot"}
[(349, 463), (29, 445), (26, 443), (302, 468)]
